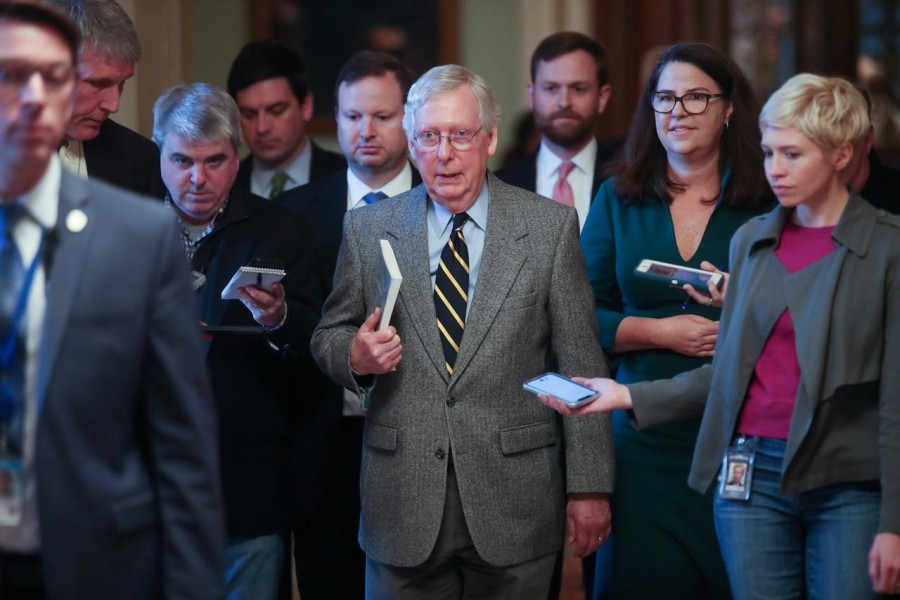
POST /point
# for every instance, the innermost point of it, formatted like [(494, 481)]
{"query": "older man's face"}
[(36, 81), (453, 177), (198, 175), (101, 79)]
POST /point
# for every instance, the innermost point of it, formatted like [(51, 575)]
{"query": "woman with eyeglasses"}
[(689, 174), (803, 396)]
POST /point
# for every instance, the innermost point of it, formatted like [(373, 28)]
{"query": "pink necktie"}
[(562, 191)]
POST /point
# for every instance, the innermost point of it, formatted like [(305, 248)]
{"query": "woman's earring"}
[(727, 121)]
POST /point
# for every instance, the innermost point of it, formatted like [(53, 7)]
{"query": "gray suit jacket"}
[(126, 461), (846, 313), (515, 460)]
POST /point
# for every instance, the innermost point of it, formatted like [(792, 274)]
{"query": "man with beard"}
[(568, 92)]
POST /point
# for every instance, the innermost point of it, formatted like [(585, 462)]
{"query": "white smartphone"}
[(677, 275), (573, 394)]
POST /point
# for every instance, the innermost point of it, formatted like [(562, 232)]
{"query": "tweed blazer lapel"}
[(501, 260), (69, 260), (408, 235)]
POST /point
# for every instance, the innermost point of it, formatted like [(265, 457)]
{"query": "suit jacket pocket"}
[(381, 437), (528, 437), (519, 302), (134, 512)]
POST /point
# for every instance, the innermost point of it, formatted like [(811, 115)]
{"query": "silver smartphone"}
[(573, 394), (677, 275)]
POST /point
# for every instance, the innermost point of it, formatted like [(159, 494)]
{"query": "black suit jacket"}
[(882, 189), (322, 163), (126, 159), (259, 389), (523, 174), (323, 203)]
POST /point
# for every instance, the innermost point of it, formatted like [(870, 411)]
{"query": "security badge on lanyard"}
[(11, 480), (737, 470)]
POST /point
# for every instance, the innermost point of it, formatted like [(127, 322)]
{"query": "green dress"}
[(664, 542)]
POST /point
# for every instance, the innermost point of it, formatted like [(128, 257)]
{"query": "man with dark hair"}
[(370, 90), (107, 422), (95, 145), (257, 374), (268, 82), (568, 92)]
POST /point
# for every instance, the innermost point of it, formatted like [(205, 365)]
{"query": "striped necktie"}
[(451, 291), (279, 179)]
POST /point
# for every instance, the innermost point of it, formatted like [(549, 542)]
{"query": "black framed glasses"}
[(461, 139), (694, 103)]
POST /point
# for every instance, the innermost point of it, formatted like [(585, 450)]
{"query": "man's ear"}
[(603, 99), (307, 107)]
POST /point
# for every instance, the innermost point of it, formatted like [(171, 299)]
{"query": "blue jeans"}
[(810, 545), (253, 567)]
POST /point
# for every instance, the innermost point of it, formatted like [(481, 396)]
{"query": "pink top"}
[(772, 392)]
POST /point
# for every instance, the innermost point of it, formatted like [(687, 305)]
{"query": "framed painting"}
[(421, 33)]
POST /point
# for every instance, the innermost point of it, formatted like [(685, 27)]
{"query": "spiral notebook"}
[(261, 277)]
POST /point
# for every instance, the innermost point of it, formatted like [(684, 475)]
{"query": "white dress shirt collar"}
[(356, 189)]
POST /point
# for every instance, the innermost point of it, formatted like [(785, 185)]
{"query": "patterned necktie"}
[(12, 377), (451, 291), (562, 191), (278, 180), (374, 197)]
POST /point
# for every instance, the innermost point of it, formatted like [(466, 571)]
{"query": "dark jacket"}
[(322, 163), (126, 159), (882, 188), (523, 174), (260, 382)]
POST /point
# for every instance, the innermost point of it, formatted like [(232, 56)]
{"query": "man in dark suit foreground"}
[(107, 424), (370, 91), (259, 376), (95, 145), (268, 82), (568, 92), (467, 480)]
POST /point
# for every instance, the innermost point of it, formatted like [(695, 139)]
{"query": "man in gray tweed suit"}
[(469, 484)]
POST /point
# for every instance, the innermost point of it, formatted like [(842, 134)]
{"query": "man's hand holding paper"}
[(375, 352), (268, 308)]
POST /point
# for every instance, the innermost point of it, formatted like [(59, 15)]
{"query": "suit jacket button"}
[(439, 454), (451, 402)]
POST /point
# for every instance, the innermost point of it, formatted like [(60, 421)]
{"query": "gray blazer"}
[(846, 314), (515, 459), (126, 458)]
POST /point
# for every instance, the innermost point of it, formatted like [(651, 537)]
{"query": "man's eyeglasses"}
[(461, 139), (14, 77), (694, 103)]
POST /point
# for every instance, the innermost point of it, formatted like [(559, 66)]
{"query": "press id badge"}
[(737, 471), (11, 490)]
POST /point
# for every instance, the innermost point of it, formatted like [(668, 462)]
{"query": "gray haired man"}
[(467, 480), (257, 375), (94, 145)]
